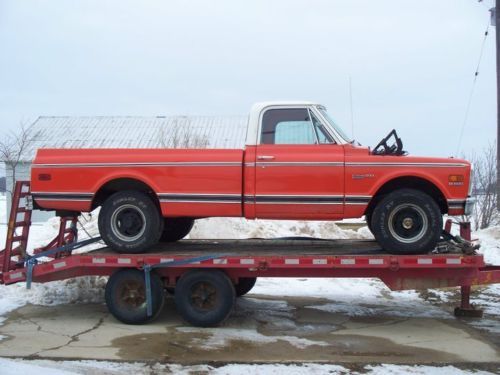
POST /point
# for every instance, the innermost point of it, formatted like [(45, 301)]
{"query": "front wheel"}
[(129, 222), (126, 296), (407, 221)]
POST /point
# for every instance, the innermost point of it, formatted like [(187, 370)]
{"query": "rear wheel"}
[(407, 221), (368, 218), (204, 298), (245, 285), (176, 229), (126, 296), (129, 222)]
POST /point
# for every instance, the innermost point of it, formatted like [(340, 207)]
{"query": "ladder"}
[(19, 221), (16, 242)]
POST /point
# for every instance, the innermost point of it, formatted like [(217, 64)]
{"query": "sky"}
[(410, 63)]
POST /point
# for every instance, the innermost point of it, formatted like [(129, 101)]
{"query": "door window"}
[(321, 133), (287, 126)]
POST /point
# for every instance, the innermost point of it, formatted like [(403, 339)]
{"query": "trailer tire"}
[(204, 298), (176, 229), (245, 285), (130, 222), (125, 296), (407, 221)]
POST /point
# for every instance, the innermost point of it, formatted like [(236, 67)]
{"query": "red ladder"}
[(19, 218)]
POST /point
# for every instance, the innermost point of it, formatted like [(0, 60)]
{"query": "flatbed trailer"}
[(207, 275)]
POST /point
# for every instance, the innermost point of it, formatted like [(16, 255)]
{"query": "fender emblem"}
[(362, 176)]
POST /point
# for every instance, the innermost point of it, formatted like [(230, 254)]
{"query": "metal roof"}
[(137, 132)]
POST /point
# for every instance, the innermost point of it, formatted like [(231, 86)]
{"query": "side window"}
[(321, 133), (287, 126)]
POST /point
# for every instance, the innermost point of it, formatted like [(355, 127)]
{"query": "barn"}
[(126, 132)]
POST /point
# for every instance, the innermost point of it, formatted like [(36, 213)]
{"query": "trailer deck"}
[(273, 258)]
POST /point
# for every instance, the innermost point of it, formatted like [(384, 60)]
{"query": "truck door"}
[(299, 169)]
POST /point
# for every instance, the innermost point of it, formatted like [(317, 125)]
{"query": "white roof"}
[(137, 132)]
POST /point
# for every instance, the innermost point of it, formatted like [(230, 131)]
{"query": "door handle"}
[(265, 157)]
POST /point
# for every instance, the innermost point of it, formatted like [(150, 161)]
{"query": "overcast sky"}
[(411, 62)]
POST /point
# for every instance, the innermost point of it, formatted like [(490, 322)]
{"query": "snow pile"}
[(239, 228), (490, 244)]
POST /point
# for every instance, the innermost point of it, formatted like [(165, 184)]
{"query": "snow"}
[(49, 367), (238, 228), (490, 244)]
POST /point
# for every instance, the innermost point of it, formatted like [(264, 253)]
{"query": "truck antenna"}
[(352, 111)]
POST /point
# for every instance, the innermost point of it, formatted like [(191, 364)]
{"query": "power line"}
[(471, 94)]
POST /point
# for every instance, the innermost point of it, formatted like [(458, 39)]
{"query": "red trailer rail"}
[(207, 274)]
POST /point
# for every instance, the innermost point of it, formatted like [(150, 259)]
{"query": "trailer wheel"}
[(129, 222), (407, 221), (245, 284), (176, 229), (204, 298), (125, 296)]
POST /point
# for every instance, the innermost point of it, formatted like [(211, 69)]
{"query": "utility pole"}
[(495, 18)]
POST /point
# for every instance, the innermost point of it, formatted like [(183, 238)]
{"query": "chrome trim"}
[(300, 163), (64, 199), (197, 201), (289, 202), (400, 164), (62, 192), (147, 164)]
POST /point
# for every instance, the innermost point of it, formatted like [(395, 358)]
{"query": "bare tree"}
[(484, 189), (13, 150), (181, 135)]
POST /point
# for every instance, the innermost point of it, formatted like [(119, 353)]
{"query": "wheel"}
[(407, 221), (204, 298), (129, 222), (245, 284), (126, 296), (176, 229)]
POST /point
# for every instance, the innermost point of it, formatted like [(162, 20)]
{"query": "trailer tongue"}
[(207, 275)]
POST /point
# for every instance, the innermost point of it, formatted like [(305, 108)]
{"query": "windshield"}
[(332, 123)]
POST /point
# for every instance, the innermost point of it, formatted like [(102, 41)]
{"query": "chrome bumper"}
[(469, 205)]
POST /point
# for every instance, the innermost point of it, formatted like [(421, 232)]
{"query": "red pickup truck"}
[(297, 164)]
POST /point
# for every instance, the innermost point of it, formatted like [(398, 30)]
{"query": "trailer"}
[(206, 276)]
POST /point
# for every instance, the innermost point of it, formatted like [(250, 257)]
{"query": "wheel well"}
[(413, 183), (120, 184)]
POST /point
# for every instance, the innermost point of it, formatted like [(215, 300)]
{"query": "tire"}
[(126, 296), (368, 218), (245, 284), (129, 222), (176, 229), (407, 221), (204, 298)]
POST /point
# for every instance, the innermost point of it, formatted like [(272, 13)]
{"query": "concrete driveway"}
[(261, 329)]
